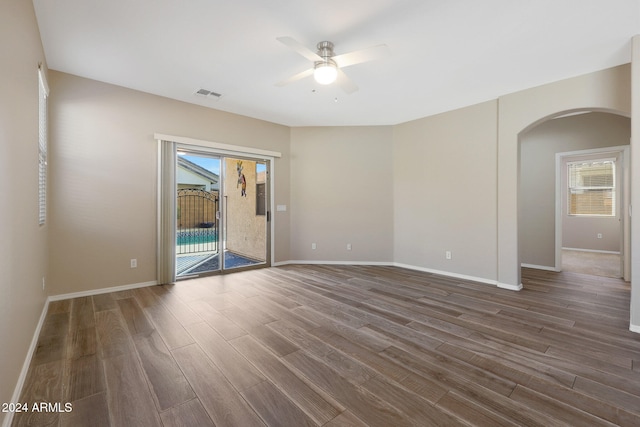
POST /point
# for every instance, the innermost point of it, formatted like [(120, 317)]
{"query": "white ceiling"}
[(445, 54)]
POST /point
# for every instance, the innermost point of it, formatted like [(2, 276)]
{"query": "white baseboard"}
[(102, 291), (540, 267), (401, 265), (634, 328), (446, 273), (510, 287), (592, 250), (309, 262), (27, 362)]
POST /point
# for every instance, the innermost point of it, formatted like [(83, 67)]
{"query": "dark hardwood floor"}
[(341, 346)]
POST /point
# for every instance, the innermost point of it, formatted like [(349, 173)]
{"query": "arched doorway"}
[(545, 224), (606, 90)]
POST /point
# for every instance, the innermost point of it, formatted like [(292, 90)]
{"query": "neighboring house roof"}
[(198, 170)]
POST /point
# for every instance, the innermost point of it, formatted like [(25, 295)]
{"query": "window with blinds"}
[(42, 147), (592, 187)]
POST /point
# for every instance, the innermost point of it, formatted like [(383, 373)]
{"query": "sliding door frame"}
[(167, 146)]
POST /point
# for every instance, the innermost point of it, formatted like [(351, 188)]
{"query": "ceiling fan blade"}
[(346, 84), (364, 55), (296, 77), (300, 48)]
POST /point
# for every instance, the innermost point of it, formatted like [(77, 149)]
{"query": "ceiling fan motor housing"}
[(325, 50)]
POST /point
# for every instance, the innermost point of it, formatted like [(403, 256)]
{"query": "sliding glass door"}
[(197, 213), (245, 212), (222, 213)]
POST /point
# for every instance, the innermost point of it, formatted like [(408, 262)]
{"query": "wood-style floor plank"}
[(345, 419), (129, 399), (223, 325), (114, 338), (103, 302), (136, 320), (471, 412), (355, 372), (274, 407), (82, 313), (555, 409), (82, 342), (178, 308), (309, 400), (335, 346), (447, 372), (88, 411), (237, 370), (52, 341), (188, 414), (168, 384), (43, 384), (170, 329), (84, 377), (365, 405), (219, 398)]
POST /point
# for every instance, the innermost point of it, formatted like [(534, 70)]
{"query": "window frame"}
[(592, 188)]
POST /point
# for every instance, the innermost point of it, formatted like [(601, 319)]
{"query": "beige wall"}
[(23, 243), (445, 192), (342, 192), (103, 177), (538, 149)]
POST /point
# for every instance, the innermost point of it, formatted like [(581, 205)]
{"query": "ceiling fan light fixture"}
[(325, 72)]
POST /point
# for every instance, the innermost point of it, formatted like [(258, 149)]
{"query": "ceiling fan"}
[(327, 66)]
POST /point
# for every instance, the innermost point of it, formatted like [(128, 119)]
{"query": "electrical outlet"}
[(313, 246), (447, 254), (134, 263), (348, 246), (599, 235)]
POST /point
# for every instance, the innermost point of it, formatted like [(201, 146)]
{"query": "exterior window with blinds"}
[(592, 187), (42, 147)]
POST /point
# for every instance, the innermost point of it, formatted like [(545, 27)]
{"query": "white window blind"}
[(42, 147), (592, 187), (167, 211)]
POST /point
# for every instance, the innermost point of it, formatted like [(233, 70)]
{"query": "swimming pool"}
[(196, 236)]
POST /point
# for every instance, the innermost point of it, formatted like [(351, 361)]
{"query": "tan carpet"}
[(594, 263)]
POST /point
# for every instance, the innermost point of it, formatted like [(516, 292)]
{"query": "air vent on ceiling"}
[(208, 94)]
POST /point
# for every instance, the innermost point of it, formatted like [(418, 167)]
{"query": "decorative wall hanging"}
[(242, 181)]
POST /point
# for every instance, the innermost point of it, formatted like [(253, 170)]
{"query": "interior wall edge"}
[(27, 362)]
